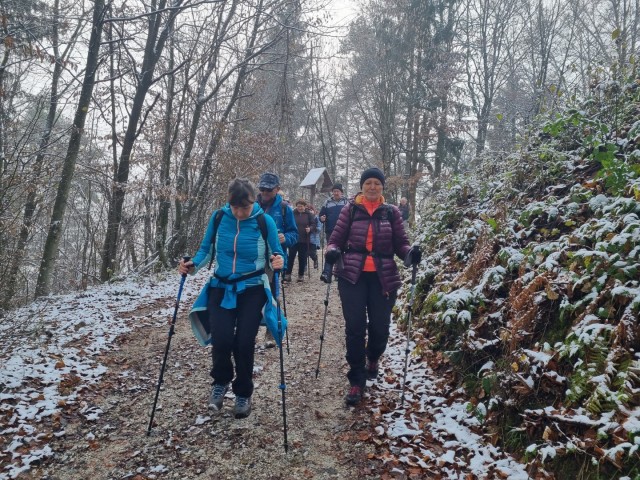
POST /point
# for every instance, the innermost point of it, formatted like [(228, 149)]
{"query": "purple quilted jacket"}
[(389, 238)]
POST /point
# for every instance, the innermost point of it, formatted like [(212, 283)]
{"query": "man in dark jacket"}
[(329, 216)]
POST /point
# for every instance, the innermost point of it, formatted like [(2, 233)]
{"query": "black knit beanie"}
[(337, 186), (372, 172)]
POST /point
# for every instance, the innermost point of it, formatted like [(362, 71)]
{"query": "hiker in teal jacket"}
[(229, 309)]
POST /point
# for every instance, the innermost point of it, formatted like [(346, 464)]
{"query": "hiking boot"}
[(287, 277), (242, 408), (354, 396), (315, 264), (300, 278), (372, 370), (325, 277), (217, 397), (269, 341)]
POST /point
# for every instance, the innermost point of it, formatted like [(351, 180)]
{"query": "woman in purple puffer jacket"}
[(363, 243)]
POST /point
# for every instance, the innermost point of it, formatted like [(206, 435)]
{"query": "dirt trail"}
[(188, 441)]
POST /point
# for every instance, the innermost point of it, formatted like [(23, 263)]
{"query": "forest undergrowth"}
[(531, 289)]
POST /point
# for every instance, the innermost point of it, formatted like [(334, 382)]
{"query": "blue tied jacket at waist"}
[(239, 251)]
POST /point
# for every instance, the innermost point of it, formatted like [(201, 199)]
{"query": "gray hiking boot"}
[(242, 408), (269, 341), (217, 397)]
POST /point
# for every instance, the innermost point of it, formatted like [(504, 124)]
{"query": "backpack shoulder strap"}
[(352, 212), (390, 211), (216, 224), (262, 224), (284, 216)]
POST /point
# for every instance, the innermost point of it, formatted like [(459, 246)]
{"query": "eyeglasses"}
[(269, 190)]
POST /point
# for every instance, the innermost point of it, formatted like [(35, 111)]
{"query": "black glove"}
[(413, 256), (332, 256)]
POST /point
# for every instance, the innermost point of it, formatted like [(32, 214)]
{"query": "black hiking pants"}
[(313, 252), (367, 313), (234, 333), (301, 250)]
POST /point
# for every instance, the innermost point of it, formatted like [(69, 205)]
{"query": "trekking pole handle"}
[(186, 259)]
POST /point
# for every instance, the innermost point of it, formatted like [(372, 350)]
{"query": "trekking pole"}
[(322, 246), (284, 302), (283, 386), (409, 318), (308, 253), (166, 350), (324, 323)]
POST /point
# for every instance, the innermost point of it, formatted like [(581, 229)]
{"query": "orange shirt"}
[(369, 265)]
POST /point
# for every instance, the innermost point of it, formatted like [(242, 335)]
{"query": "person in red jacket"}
[(367, 235)]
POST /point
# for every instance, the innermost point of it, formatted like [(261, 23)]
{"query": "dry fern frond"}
[(524, 308), (627, 333), (482, 257)]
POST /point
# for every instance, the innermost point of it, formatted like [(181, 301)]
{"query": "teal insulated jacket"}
[(239, 250)]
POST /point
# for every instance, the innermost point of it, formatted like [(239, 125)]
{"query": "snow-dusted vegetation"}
[(531, 288)]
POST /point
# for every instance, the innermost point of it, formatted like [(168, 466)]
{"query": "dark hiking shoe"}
[(315, 264), (325, 277), (354, 396), (372, 370), (287, 277), (300, 278), (269, 341), (217, 397), (242, 408)]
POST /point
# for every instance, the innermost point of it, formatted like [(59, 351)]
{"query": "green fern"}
[(578, 386)]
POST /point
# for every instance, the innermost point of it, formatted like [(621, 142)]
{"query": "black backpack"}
[(352, 212), (387, 214)]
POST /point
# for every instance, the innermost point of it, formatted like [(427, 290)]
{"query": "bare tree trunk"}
[(156, 39), (148, 216), (50, 253), (88, 240), (184, 210), (165, 166), (31, 201)]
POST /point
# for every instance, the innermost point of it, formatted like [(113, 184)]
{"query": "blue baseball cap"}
[(269, 181)]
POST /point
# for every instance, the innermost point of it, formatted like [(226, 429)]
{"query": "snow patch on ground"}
[(52, 354)]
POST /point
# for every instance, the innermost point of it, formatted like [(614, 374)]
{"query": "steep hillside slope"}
[(532, 289)]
